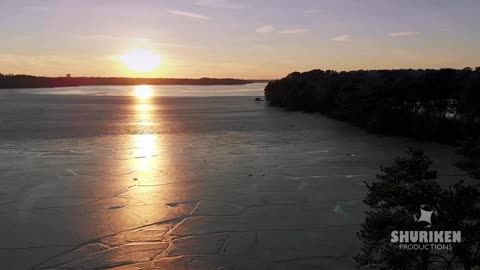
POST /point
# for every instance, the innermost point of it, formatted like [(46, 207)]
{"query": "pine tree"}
[(394, 199)]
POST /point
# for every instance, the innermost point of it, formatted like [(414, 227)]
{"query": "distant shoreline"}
[(28, 81)]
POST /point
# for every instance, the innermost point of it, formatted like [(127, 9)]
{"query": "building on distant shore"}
[(68, 75)]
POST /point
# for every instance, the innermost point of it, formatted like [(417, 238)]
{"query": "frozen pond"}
[(133, 182)]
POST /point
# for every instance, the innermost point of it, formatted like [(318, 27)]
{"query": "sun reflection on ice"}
[(146, 145), (144, 114), (145, 152), (143, 91), (146, 159)]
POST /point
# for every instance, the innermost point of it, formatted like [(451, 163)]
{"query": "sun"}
[(141, 60)]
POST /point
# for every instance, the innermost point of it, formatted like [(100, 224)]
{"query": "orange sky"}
[(228, 38)]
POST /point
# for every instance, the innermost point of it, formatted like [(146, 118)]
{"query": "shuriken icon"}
[(426, 212)]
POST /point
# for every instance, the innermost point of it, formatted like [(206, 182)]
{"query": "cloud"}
[(404, 34), (101, 37), (294, 31), (311, 11), (220, 4), (265, 29), (342, 38), (188, 14), (176, 45)]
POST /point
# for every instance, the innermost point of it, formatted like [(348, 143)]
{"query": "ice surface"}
[(212, 183)]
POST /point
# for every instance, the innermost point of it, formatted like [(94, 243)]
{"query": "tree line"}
[(28, 81), (438, 105), (441, 105)]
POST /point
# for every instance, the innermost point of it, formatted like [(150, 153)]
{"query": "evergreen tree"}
[(394, 200)]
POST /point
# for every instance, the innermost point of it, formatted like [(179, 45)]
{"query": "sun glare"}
[(143, 91), (141, 60)]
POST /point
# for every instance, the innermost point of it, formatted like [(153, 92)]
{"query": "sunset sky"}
[(233, 38)]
